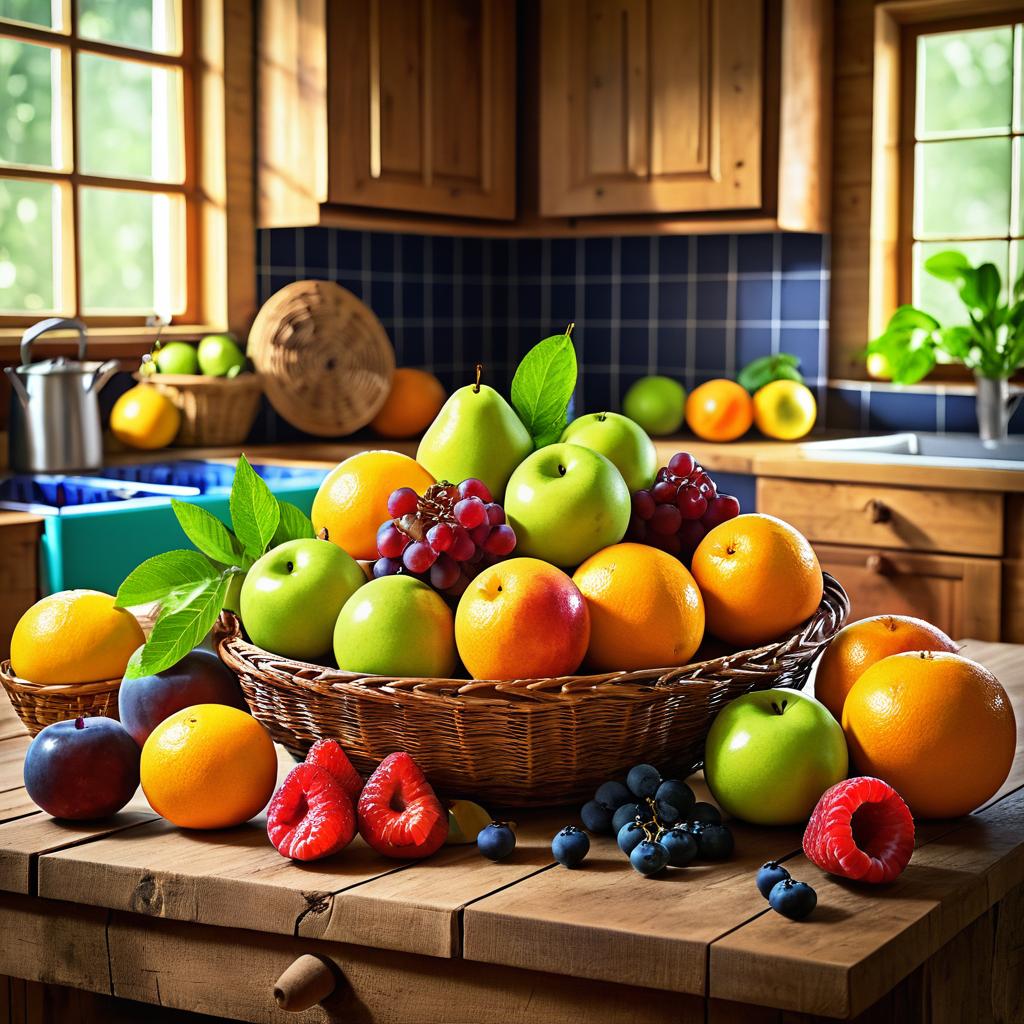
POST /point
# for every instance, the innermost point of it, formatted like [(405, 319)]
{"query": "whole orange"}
[(353, 500), (208, 766), (75, 636), (859, 645), (522, 619), (415, 399), (760, 578), (719, 410), (645, 609), (937, 727)]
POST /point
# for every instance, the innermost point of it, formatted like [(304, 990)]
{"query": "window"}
[(98, 164), (961, 155)]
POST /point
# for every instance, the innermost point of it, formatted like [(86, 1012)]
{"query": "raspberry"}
[(310, 815), (861, 829), (329, 755)]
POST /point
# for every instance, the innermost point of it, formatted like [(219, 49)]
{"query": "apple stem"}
[(568, 330), (777, 709), (479, 371), (323, 534), (79, 723)]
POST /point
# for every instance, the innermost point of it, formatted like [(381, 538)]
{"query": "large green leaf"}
[(209, 534), (980, 289), (166, 578), (294, 524), (542, 386), (255, 513), (756, 374), (948, 265)]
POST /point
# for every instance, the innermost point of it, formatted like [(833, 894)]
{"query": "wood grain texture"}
[(19, 571)]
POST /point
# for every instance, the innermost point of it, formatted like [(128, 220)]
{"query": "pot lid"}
[(59, 364)]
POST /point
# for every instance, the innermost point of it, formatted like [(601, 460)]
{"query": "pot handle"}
[(17, 386), (55, 323)]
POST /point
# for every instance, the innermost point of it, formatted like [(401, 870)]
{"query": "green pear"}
[(476, 434)]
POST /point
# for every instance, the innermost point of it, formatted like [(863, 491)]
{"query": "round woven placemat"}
[(325, 358)]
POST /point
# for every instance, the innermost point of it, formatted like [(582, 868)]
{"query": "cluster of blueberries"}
[(785, 896), (569, 847)]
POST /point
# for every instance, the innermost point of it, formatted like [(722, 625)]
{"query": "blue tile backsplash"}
[(692, 307)]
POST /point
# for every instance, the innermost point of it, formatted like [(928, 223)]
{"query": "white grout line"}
[(774, 321), (823, 331)]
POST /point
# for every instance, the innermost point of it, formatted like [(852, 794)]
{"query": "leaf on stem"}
[(255, 513), (542, 386), (209, 534)]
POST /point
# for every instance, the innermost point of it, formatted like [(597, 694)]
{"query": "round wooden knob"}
[(878, 511), (875, 564), (306, 982)]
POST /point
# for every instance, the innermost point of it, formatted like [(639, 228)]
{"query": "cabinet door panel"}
[(650, 106), (422, 106)]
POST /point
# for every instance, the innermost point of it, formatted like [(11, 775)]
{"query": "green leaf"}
[(955, 341), (980, 289), (294, 524), (255, 513), (209, 534), (542, 387), (165, 578), (947, 265), (908, 317), (909, 365), (763, 371), (180, 628)]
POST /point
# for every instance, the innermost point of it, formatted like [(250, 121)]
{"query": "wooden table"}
[(208, 921)]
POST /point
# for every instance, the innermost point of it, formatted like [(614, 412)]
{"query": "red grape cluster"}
[(681, 506), (446, 536)]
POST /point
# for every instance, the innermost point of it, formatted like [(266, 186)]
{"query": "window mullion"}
[(71, 253)]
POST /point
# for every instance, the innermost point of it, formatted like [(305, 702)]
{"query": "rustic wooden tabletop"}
[(207, 921)]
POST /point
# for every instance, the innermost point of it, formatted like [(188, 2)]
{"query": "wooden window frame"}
[(217, 65)]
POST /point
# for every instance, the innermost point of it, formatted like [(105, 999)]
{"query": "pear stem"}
[(568, 330), (479, 371)]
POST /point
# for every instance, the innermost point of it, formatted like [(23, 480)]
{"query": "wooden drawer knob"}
[(878, 511), (876, 564), (306, 982)]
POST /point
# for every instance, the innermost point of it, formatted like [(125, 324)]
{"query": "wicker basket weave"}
[(39, 706), (521, 742), (215, 411)]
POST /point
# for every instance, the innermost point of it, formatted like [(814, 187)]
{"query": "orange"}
[(719, 410), (522, 619), (938, 728), (859, 645), (785, 409), (145, 418), (353, 500), (76, 636), (645, 609), (208, 766), (760, 578), (415, 399)]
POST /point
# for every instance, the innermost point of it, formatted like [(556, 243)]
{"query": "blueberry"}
[(570, 846), (596, 818), (681, 846), (678, 795), (649, 857), (612, 795), (715, 842), (794, 900), (768, 875), (643, 780), (666, 813), (496, 840), (693, 827), (709, 814), (625, 814), (630, 836)]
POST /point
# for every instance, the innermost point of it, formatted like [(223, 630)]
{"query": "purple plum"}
[(199, 678), (82, 769)]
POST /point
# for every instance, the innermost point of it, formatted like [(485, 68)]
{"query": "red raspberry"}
[(310, 815), (861, 829), (328, 754)]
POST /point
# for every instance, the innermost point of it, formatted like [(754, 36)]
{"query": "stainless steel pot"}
[(55, 416)]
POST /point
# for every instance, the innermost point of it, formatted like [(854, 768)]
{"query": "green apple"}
[(565, 502), (656, 403), (291, 597), (396, 626), (619, 439), (770, 755), (177, 357), (220, 356)]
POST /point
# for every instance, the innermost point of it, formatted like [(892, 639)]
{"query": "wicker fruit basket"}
[(215, 411), (39, 706), (523, 742)]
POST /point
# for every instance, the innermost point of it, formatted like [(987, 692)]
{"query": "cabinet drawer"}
[(962, 522), (959, 595)]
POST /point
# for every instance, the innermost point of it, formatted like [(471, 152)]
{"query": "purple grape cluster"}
[(680, 506), (445, 537)]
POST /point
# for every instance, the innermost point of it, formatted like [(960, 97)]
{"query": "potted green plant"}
[(991, 344)]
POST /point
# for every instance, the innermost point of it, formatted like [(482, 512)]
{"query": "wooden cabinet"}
[(20, 534), (647, 116), (650, 106)]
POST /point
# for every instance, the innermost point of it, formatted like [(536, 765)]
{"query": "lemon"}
[(76, 636), (144, 418), (785, 410)]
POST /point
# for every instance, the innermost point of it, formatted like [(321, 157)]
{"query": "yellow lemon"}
[(76, 636), (784, 409), (144, 418)]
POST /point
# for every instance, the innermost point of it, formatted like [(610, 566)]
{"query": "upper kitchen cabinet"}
[(388, 105)]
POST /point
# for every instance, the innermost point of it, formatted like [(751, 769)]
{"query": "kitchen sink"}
[(965, 451)]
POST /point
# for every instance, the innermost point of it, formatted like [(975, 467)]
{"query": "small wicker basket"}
[(523, 742), (215, 411), (39, 706)]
